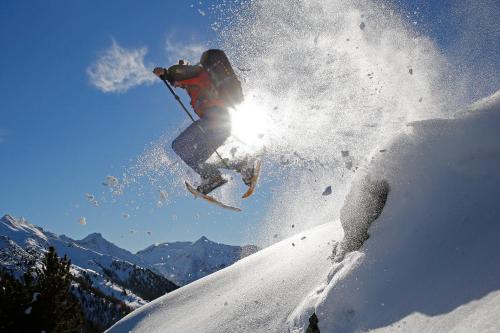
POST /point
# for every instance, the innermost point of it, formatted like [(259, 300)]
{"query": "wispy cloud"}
[(186, 51), (119, 69)]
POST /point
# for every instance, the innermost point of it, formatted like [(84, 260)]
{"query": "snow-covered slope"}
[(431, 264), (184, 262), (254, 294)]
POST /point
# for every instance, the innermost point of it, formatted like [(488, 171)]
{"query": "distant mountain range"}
[(185, 262), (108, 275), (180, 262)]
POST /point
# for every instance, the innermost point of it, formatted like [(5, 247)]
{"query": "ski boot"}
[(208, 184)]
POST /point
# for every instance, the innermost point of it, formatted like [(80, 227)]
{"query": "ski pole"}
[(178, 99)]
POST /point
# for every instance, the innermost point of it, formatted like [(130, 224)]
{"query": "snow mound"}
[(432, 260)]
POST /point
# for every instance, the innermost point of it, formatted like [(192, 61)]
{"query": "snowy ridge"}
[(431, 263), (185, 262)]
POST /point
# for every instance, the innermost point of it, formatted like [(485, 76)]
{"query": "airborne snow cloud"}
[(119, 69)]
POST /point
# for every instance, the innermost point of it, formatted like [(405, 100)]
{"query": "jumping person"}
[(207, 85)]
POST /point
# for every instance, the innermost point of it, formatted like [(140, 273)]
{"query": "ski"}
[(255, 179), (209, 198)]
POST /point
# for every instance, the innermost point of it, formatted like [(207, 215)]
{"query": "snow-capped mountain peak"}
[(203, 239), (94, 238), (98, 243), (20, 231)]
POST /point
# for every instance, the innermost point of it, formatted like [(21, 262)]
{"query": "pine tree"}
[(55, 309), (15, 300)]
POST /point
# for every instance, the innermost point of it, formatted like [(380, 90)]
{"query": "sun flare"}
[(250, 124)]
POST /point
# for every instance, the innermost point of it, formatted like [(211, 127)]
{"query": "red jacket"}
[(198, 85)]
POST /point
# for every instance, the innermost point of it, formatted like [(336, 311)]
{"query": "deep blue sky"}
[(60, 136)]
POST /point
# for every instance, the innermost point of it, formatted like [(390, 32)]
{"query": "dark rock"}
[(362, 206), (313, 324), (327, 191)]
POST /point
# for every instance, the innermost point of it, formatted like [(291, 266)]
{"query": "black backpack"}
[(228, 87)]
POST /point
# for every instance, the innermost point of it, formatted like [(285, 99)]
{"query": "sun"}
[(250, 124)]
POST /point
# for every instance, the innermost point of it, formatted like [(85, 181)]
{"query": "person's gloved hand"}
[(159, 71), (162, 73)]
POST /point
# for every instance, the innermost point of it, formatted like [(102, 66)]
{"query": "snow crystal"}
[(91, 199), (163, 195), (110, 181)]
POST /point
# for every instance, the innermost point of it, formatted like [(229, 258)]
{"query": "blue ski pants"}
[(195, 146)]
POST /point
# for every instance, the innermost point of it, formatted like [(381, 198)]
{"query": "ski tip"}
[(247, 193), (251, 188)]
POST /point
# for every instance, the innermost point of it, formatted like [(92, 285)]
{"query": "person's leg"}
[(195, 147)]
